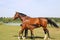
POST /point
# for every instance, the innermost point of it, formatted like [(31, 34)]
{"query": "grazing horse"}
[(32, 23)]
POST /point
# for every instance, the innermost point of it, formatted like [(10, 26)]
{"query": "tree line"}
[(9, 19)]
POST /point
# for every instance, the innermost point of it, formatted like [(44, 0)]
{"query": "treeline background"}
[(9, 19)]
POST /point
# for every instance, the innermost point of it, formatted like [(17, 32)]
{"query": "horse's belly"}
[(35, 25)]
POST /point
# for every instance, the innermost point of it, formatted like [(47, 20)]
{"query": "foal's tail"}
[(52, 23)]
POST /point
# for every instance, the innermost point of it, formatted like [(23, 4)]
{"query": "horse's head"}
[(19, 15), (16, 15)]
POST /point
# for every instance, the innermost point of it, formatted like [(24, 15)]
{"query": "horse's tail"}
[(52, 23)]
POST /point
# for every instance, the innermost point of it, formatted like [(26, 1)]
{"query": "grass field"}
[(8, 32)]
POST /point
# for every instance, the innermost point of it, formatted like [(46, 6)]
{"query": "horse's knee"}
[(20, 31), (45, 31)]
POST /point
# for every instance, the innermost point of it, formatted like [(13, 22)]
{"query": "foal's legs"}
[(20, 35), (25, 31)]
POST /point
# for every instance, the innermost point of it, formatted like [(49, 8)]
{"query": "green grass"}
[(8, 32)]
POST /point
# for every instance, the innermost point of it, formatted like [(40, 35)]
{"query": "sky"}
[(33, 8)]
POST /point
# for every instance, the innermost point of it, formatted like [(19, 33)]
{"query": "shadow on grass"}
[(29, 37), (35, 37)]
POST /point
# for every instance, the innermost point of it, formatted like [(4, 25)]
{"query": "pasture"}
[(8, 32)]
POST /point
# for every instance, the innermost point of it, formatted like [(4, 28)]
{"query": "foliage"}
[(9, 19), (56, 19), (1, 23)]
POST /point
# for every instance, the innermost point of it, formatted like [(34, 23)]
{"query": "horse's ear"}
[(16, 12)]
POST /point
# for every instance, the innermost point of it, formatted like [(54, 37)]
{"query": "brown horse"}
[(32, 23)]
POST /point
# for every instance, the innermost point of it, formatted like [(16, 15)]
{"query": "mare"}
[(32, 23)]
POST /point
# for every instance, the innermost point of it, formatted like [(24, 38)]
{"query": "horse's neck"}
[(24, 18), (27, 17)]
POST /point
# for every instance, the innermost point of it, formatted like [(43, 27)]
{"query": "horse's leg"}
[(26, 32), (46, 34), (32, 35)]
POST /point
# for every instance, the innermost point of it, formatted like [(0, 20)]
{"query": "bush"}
[(1, 23)]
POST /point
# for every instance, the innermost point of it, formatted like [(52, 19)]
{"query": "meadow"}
[(9, 32)]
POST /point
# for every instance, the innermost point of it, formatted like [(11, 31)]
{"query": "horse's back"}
[(43, 22), (34, 20)]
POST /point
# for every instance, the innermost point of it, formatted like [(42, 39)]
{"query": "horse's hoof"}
[(49, 38), (23, 38), (18, 38), (31, 37)]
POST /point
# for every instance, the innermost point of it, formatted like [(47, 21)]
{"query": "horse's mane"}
[(22, 14)]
